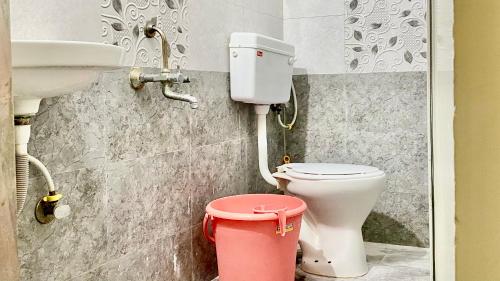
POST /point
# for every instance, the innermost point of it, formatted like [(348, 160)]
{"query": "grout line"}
[(312, 17)]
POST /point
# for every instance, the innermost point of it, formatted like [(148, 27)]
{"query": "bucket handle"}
[(205, 229), (282, 222), (281, 213)]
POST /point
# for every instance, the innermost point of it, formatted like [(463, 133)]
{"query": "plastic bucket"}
[(255, 235)]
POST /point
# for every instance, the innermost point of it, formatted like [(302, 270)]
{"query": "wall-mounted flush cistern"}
[(166, 77)]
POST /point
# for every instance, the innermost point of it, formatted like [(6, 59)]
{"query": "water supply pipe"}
[(262, 111)]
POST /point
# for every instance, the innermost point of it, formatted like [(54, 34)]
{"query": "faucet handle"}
[(62, 211), (181, 77), (177, 78)]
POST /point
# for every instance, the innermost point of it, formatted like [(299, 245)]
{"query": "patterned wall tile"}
[(123, 24), (385, 35)]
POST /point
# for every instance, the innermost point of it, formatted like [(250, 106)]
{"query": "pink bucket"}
[(256, 236)]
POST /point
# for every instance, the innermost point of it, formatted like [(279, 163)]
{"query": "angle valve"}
[(48, 208)]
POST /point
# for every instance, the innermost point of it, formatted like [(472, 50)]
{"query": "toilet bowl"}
[(339, 198)]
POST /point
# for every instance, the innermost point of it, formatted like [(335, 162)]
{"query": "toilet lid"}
[(329, 171)]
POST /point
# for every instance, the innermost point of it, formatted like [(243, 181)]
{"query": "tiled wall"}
[(376, 115), (198, 30), (377, 119), (137, 170), (358, 36), (8, 261)]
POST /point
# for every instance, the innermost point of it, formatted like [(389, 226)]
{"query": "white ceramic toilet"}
[(339, 196)]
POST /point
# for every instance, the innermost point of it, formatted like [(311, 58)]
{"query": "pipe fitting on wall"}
[(48, 208), (166, 77)]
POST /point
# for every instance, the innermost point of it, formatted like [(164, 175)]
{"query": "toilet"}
[(339, 197)]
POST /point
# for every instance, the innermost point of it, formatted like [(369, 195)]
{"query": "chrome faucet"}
[(166, 77)]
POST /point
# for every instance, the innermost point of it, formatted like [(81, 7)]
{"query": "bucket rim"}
[(211, 211)]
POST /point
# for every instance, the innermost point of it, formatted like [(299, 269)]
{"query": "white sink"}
[(43, 69)]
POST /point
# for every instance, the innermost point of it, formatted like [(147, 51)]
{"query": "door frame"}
[(442, 109)]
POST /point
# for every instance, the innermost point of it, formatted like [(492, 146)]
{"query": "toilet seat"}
[(329, 171)]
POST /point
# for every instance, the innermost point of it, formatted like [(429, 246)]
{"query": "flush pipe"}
[(262, 111)]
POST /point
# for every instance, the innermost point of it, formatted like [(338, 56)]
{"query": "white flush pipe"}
[(262, 111)]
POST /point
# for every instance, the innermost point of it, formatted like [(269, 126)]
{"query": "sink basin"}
[(42, 69)]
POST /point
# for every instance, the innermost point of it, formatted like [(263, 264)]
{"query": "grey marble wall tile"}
[(68, 132), (216, 171), (247, 120), (387, 102), (204, 256), (402, 155), (328, 146), (168, 260), (70, 246), (148, 200), (142, 123), (326, 102), (216, 119), (399, 218), (321, 118)]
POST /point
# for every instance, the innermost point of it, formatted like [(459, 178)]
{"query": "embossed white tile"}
[(385, 35), (316, 8), (319, 44), (123, 25)]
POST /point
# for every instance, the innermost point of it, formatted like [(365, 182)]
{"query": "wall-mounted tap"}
[(166, 77)]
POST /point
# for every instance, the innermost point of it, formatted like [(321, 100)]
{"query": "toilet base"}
[(327, 270), (339, 253)]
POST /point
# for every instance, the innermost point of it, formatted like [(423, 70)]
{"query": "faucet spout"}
[(168, 93)]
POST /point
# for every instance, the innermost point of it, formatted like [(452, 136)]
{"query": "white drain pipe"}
[(22, 166), (262, 111)]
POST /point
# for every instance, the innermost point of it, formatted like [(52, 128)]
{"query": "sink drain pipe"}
[(22, 131)]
